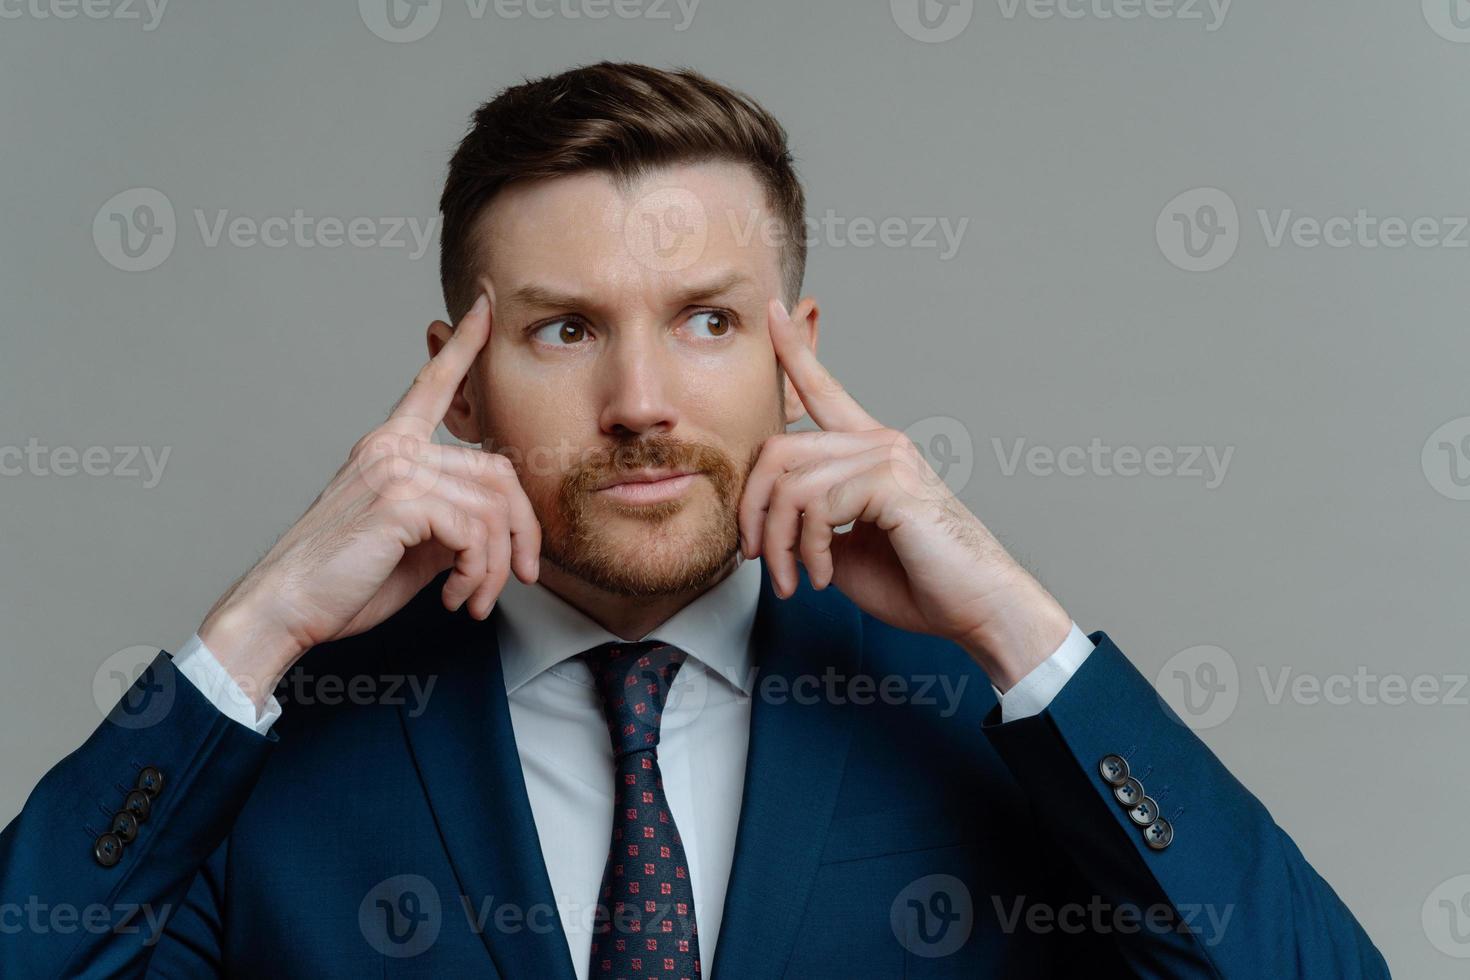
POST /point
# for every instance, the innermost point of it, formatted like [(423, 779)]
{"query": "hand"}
[(917, 558), (400, 510)]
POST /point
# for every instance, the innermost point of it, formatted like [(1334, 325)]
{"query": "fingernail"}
[(785, 314), (480, 303)]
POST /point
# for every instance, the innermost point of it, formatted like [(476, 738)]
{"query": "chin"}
[(652, 559)]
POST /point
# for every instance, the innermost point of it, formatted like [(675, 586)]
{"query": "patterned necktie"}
[(644, 924)]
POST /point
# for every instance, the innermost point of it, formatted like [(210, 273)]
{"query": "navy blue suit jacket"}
[(885, 831)]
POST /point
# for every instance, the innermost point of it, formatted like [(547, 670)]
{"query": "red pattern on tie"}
[(641, 932)]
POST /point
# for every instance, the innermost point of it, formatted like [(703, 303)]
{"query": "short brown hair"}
[(623, 119)]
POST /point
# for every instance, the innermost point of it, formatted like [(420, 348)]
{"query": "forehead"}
[(671, 225)]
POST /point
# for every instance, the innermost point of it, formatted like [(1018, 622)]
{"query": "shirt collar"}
[(539, 629)]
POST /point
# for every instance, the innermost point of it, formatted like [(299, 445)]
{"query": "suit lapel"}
[(798, 746), (465, 750)]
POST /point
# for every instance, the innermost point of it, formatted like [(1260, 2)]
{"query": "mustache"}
[(657, 452)]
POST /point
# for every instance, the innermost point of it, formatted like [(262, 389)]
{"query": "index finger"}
[(427, 400), (826, 401)]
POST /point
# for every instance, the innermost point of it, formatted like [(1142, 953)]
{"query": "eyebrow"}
[(535, 295)]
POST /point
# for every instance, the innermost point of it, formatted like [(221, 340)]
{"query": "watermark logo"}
[(1445, 917), (1199, 230), (1201, 684), (135, 230), (667, 229), (400, 21), (932, 21), (946, 447), (125, 697), (1446, 459), (396, 462), (1450, 19), (401, 916), (933, 916), (688, 694)]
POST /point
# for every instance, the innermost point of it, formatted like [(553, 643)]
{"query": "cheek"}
[(533, 419), (737, 397)]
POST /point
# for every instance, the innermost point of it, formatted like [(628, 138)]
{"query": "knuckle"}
[(832, 498), (902, 449), (483, 501), (377, 471), (776, 442), (783, 490), (499, 509), (384, 472), (430, 374), (372, 443), (384, 443), (898, 472), (477, 495), (488, 467), (394, 510)]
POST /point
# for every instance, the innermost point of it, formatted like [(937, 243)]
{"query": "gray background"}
[(1333, 546)]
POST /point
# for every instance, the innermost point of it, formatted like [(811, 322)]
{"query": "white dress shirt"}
[(566, 756)]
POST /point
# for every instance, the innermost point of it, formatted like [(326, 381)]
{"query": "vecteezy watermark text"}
[(35, 459), (124, 10), (1200, 230), (403, 21), (136, 230), (1100, 916), (1099, 459)]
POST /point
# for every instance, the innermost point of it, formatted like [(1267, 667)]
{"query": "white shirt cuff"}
[(1032, 693), (196, 662)]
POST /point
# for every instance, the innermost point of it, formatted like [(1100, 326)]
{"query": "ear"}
[(460, 419), (807, 316)]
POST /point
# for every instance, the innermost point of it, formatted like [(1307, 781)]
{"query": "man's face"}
[(630, 332)]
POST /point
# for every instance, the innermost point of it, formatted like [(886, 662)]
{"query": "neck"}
[(626, 617)]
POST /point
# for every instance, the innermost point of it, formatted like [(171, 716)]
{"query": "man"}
[(698, 730)]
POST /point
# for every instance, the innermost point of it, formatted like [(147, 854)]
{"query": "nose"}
[(638, 381)]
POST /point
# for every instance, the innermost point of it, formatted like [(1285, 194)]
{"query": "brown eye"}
[(568, 332), (717, 323)]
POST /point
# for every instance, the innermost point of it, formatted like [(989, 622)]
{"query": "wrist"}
[(1023, 633), (249, 648)]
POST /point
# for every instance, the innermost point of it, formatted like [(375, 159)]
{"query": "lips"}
[(641, 476)]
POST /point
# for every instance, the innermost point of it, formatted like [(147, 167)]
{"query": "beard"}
[(643, 550)]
